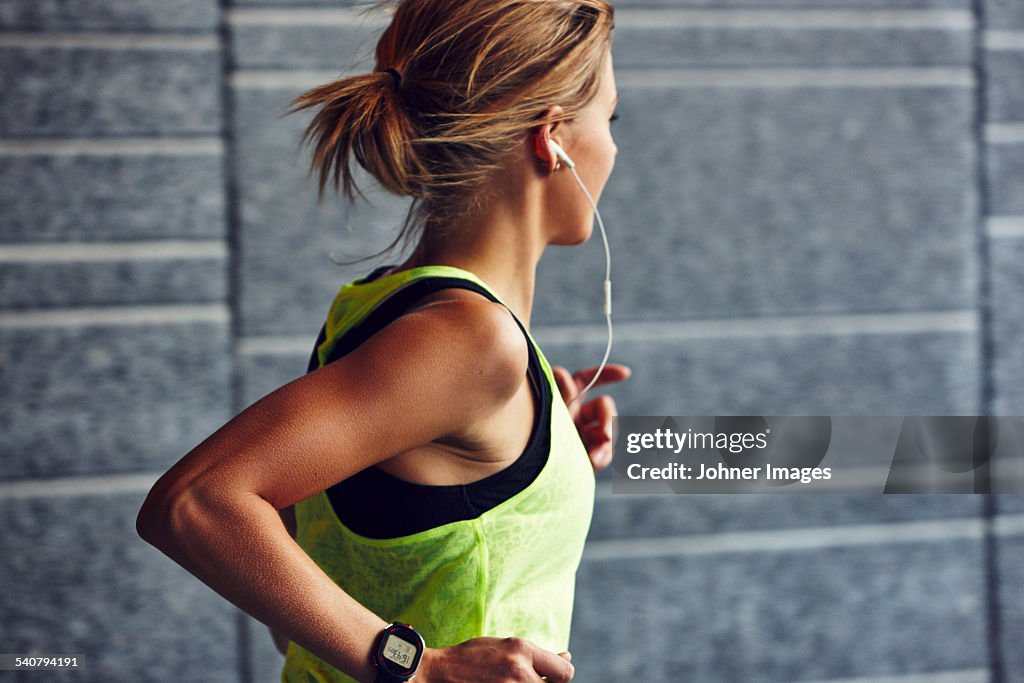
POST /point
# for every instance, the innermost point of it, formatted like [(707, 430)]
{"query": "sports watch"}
[(398, 653)]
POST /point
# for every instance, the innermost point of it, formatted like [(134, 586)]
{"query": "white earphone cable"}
[(607, 285)]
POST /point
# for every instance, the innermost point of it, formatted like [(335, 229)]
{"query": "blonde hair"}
[(473, 76)]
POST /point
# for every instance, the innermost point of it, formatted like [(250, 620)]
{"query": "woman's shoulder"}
[(482, 334)]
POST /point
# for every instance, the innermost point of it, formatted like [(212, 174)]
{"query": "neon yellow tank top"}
[(511, 571)]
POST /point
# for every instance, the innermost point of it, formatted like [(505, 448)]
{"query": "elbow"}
[(146, 522), (154, 520), (163, 519), (200, 508), (155, 512)]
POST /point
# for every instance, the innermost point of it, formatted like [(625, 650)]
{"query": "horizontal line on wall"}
[(777, 540), (177, 147), (893, 323), (116, 315), (111, 41), (300, 79), (1003, 40), (65, 252), (350, 16), (1004, 226), (795, 19), (779, 77), (962, 676), (1008, 525), (78, 486), (1004, 133), (275, 346)]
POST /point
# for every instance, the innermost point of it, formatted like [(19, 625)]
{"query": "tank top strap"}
[(396, 304)]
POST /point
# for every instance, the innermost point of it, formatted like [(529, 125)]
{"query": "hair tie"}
[(395, 75)]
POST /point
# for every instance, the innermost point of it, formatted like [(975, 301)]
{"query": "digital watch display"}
[(398, 653)]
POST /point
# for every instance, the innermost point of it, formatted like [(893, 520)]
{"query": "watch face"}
[(399, 651)]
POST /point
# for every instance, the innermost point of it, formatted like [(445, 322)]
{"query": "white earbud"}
[(560, 153)]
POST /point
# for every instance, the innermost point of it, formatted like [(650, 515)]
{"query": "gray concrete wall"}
[(817, 209)]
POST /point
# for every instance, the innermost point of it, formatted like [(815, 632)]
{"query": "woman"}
[(424, 468)]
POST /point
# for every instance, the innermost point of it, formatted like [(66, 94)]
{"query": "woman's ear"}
[(543, 133), (545, 155)]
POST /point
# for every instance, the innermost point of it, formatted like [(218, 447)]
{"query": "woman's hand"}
[(494, 660), (594, 418)]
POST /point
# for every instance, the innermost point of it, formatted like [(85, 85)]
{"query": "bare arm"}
[(215, 512), (288, 517)]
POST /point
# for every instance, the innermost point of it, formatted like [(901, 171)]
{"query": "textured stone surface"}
[(1005, 85), (807, 614), (99, 398), (1010, 562), (275, 46), (779, 201), (351, 47), (1003, 14), (74, 92), (39, 285), (1010, 503), (771, 46), (1005, 169), (100, 198), (879, 374), (78, 579), (287, 278), (1007, 275), (58, 15), (264, 373), (619, 516)]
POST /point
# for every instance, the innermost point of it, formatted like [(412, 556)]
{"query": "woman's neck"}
[(502, 249)]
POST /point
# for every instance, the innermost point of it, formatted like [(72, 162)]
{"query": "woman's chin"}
[(572, 238)]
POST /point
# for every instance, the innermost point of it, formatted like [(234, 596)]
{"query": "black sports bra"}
[(376, 504)]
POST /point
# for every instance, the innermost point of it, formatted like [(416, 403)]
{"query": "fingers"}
[(596, 416), (612, 372), (600, 453), (600, 456), (600, 411), (488, 659), (566, 655), (554, 668), (596, 431)]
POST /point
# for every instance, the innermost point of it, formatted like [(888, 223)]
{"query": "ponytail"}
[(360, 116)]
